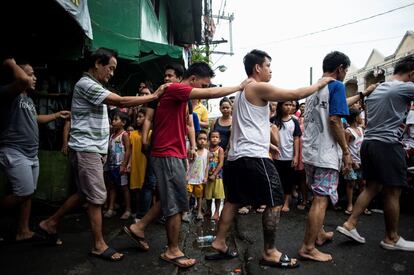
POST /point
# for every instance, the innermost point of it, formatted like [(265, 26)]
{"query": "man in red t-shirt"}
[(168, 157)]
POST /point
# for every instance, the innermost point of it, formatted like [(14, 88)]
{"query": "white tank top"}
[(355, 145), (250, 135)]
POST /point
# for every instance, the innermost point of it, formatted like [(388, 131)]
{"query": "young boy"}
[(197, 175), (214, 188), (118, 157)]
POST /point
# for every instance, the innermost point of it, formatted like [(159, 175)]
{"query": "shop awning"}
[(131, 28)]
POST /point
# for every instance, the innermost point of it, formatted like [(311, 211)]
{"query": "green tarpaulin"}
[(132, 28)]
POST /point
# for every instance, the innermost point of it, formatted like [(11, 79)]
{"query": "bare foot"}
[(46, 226), (139, 236), (24, 236), (275, 259), (324, 237), (114, 257), (285, 209), (215, 216), (221, 247), (178, 259), (314, 255)]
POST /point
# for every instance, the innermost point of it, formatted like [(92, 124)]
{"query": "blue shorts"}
[(115, 177)]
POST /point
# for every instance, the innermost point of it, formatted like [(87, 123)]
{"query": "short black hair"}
[(142, 110), (255, 57), (333, 60), (405, 65), (202, 132), (122, 116), (102, 56), (176, 67), (213, 131), (199, 69), (353, 114)]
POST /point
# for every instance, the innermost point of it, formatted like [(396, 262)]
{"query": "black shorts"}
[(384, 163), (287, 175), (252, 181)]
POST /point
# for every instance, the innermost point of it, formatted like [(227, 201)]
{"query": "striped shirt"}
[(89, 121)]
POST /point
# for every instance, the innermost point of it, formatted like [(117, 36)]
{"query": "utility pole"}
[(310, 75), (230, 18), (207, 21)]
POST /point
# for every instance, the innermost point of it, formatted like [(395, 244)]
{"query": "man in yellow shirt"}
[(202, 113)]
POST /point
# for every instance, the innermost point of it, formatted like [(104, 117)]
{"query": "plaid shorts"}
[(323, 181)]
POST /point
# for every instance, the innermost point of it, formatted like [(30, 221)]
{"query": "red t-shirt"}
[(170, 125)]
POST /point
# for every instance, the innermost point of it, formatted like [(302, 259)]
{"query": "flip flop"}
[(176, 260), (107, 255), (137, 239), (35, 238), (352, 234), (219, 255), (51, 238), (284, 262)]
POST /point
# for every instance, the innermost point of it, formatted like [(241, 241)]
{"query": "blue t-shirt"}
[(196, 121), (337, 99)]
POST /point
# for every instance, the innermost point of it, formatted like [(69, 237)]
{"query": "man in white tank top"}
[(249, 175)]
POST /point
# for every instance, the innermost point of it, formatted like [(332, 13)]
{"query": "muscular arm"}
[(268, 92), (216, 92)]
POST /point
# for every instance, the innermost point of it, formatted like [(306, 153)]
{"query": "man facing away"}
[(88, 143), (168, 158), (249, 175), (383, 159)]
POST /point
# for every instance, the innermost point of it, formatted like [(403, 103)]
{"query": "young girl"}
[(138, 161), (289, 133), (198, 175), (118, 157), (354, 135), (214, 188)]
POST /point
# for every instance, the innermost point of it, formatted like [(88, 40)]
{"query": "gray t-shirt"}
[(386, 110), (18, 124)]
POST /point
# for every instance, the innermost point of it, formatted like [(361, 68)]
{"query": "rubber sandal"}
[(51, 238), (176, 260), (107, 255), (219, 255), (352, 234), (401, 244), (138, 240), (284, 262)]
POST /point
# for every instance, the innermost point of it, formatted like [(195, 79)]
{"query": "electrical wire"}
[(335, 27)]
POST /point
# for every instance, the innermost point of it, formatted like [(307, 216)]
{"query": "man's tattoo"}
[(270, 220)]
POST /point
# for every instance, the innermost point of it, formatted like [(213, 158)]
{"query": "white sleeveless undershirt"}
[(250, 135)]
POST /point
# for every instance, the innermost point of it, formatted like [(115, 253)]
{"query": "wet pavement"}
[(72, 257)]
